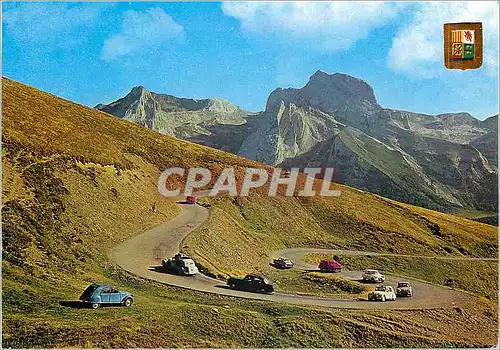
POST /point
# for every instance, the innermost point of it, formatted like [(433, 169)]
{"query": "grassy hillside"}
[(490, 218), (76, 182), (241, 233), (410, 181)]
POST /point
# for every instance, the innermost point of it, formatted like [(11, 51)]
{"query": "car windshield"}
[(403, 284), (381, 288), (370, 272)]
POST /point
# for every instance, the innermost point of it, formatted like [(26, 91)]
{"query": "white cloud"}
[(417, 49), (331, 25), (141, 31), (42, 23)]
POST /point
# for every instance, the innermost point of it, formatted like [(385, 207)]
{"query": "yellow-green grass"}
[(478, 277), (473, 213), (76, 182), (169, 317), (314, 283), (241, 233)]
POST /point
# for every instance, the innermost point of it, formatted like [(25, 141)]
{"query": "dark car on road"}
[(251, 283), (98, 294), (404, 289)]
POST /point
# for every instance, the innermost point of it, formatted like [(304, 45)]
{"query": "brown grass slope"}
[(77, 181), (241, 232)]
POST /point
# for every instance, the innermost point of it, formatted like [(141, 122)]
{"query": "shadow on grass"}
[(75, 304)]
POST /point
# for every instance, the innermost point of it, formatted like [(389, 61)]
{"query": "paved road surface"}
[(142, 253)]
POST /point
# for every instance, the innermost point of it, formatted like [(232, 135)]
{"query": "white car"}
[(283, 263), (373, 276), (180, 264), (382, 293)]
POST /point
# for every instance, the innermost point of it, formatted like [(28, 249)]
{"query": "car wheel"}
[(95, 306), (232, 286), (383, 298), (128, 302)]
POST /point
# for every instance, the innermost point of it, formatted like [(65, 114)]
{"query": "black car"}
[(251, 283)]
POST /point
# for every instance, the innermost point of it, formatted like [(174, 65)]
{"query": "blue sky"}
[(96, 52)]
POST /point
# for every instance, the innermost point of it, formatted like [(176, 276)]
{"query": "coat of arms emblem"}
[(463, 45)]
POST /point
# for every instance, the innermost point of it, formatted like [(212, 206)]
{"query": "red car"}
[(191, 199), (329, 266)]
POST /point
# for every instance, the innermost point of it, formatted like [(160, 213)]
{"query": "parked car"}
[(180, 264), (329, 266), (450, 282), (404, 289), (382, 293), (251, 283), (98, 294), (283, 263), (191, 199), (373, 276)]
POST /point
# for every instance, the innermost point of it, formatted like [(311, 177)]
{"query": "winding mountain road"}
[(141, 254)]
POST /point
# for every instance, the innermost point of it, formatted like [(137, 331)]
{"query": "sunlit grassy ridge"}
[(241, 233), (318, 284), (76, 182)]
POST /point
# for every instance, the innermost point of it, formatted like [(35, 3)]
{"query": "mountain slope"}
[(170, 115), (286, 132), (442, 162), (487, 143), (76, 182), (431, 161)]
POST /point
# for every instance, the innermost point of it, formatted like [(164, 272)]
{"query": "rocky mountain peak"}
[(457, 118), (491, 122), (339, 84), (220, 105), (137, 92), (326, 92)]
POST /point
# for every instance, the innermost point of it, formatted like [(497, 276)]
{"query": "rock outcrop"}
[(441, 162)]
